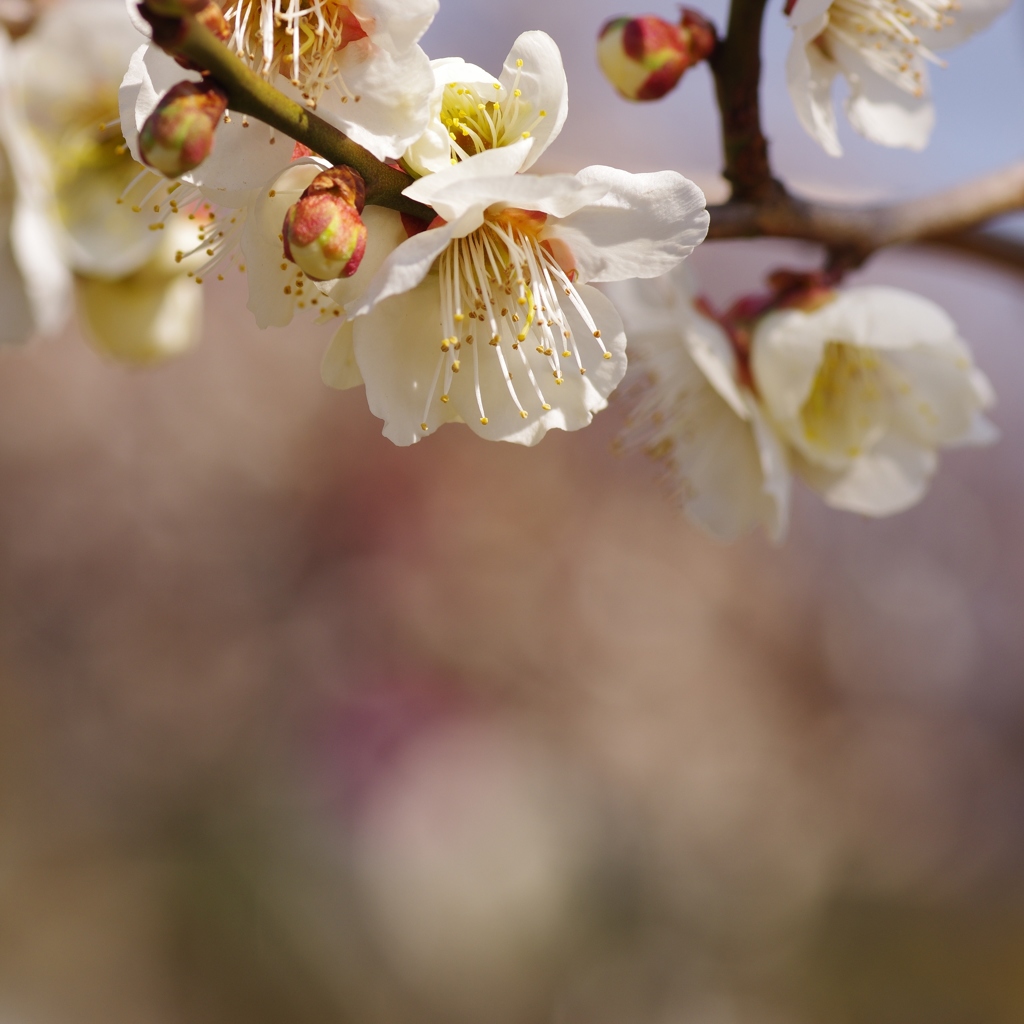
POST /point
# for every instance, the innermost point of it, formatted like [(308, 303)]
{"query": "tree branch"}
[(176, 30), (854, 233), (736, 64)]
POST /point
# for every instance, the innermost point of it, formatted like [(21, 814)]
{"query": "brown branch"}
[(176, 30), (852, 234), (1007, 253), (736, 64)]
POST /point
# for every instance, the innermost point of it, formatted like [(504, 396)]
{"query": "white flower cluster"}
[(852, 391), (487, 315)]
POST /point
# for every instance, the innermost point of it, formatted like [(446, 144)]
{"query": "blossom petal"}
[(501, 163), (393, 93), (396, 349), (890, 478), (805, 11), (809, 78), (395, 25), (644, 225), (879, 109), (543, 86), (143, 319), (339, 368)]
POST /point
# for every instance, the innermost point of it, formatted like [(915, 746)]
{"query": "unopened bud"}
[(645, 57), (323, 232), (178, 135)]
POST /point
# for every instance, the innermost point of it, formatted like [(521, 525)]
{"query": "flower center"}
[(295, 38), (502, 289), (845, 412), (885, 34), (477, 120)]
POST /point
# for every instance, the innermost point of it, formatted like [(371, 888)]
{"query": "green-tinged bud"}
[(323, 232), (178, 135), (645, 57)]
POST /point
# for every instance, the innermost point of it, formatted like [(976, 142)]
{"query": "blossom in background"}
[(471, 111), (34, 283), (696, 415), (66, 73), (864, 389), (882, 49), (488, 317)]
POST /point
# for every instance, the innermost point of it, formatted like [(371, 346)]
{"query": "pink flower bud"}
[(178, 135), (645, 57), (323, 232)]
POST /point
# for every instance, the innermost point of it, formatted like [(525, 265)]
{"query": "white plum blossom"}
[(34, 282), (865, 389), (882, 49), (696, 415), (471, 111), (488, 317), (66, 72)]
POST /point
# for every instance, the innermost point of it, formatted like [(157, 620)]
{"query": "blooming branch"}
[(177, 30)]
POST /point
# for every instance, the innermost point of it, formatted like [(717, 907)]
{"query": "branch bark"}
[(736, 64), (854, 233), (176, 30)]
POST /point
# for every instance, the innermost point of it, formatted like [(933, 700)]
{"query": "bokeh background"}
[(299, 726)]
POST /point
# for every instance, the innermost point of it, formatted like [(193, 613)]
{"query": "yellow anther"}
[(455, 366), (517, 93), (424, 427), (519, 62), (546, 407), (525, 415), (483, 421), (444, 398), (607, 355), (526, 135)]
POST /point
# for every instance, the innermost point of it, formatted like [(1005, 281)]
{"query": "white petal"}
[(543, 86), (397, 349), (558, 195), (404, 268), (809, 78), (339, 368), (777, 485), (643, 226), (141, 320), (395, 25), (385, 232), (394, 93), (18, 322), (501, 163), (880, 110), (890, 478)]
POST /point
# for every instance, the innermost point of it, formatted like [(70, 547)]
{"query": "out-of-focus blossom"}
[(865, 389), (882, 49), (114, 219), (473, 112), (697, 416), (487, 317), (34, 283), (645, 57)]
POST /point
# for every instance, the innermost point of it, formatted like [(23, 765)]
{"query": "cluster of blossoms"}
[(127, 178), (853, 391)]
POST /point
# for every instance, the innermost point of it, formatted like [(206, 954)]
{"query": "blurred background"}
[(299, 726)]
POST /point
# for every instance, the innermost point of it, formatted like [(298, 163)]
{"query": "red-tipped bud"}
[(323, 232), (645, 57), (178, 135)]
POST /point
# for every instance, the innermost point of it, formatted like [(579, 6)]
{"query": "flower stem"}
[(176, 30)]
